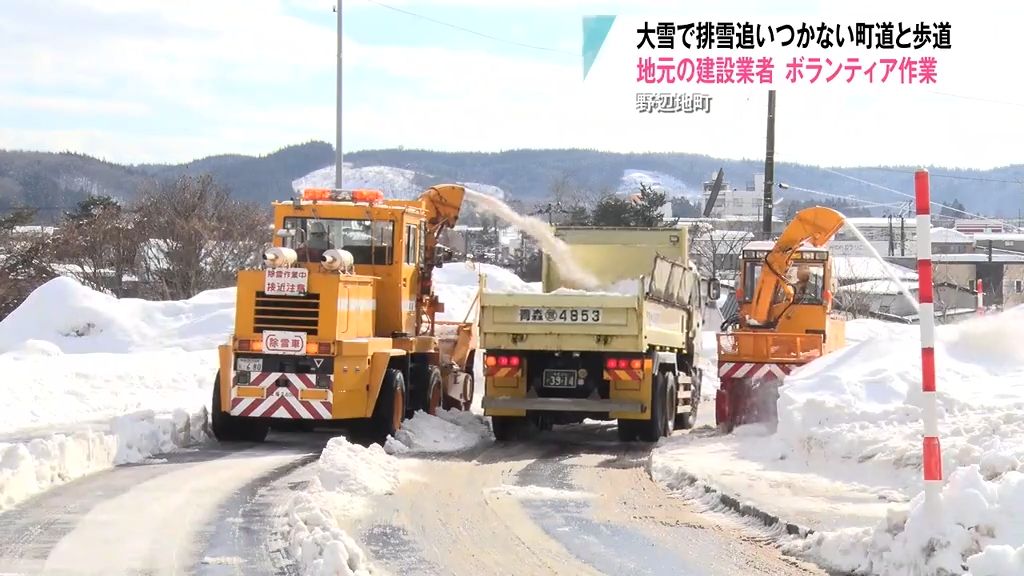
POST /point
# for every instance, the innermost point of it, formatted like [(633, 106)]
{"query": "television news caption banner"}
[(679, 64)]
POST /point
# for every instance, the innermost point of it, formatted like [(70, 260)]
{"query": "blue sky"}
[(157, 81)]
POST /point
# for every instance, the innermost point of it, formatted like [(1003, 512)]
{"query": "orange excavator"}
[(784, 320)]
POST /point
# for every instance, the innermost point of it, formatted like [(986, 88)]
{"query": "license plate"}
[(276, 342), (561, 315), (559, 378), (249, 364)]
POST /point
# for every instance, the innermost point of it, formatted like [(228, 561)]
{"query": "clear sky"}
[(169, 81)]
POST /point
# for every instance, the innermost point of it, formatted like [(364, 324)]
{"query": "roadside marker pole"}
[(981, 298), (932, 453)]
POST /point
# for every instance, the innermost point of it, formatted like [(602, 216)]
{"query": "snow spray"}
[(541, 232), (888, 268)]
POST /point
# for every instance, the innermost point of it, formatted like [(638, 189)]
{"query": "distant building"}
[(747, 201)]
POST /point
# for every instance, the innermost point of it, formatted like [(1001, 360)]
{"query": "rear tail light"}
[(624, 363), (503, 361), (249, 346), (318, 348)]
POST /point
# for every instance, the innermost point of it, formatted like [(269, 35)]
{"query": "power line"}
[(471, 31), (953, 176), (904, 194)]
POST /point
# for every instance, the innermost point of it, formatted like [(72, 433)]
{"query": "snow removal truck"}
[(629, 353), (338, 326), (784, 321)]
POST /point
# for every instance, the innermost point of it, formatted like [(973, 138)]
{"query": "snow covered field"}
[(846, 458)]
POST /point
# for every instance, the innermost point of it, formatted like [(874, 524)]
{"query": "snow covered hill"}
[(670, 185), (393, 182)]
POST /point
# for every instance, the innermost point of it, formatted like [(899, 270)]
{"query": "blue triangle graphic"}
[(595, 30)]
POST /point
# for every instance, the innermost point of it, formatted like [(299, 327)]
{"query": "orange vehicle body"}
[(784, 320)]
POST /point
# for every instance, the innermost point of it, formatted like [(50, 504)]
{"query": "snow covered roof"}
[(871, 222), (880, 287), (999, 236), (868, 268), (949, 236), (978, 258)]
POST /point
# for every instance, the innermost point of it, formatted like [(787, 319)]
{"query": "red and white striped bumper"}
[(754, 370), (283, 396)]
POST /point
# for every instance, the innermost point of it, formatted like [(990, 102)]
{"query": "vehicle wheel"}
[(671, 403), (467, 404), (627, 430), (427, 383), (687, 420), (228, 428), (389, 412), (507, 428), (654, 429)]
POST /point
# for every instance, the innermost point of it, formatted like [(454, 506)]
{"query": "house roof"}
[(949, 236)]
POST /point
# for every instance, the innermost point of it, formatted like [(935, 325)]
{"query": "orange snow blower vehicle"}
[(784, 319)]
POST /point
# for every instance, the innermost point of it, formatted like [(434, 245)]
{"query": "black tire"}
[(426, 386), (467, 404), (671, 402), (228, 428), (687, 420), (654, 429), (508, 428), (627, 430), (389, 412)]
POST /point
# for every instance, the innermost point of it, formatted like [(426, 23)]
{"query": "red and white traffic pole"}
[(981, 298), (932, 452)]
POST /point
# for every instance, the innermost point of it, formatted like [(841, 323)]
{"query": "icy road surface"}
[(574, 501)]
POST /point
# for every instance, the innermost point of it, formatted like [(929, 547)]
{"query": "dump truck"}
[(338, 326), (784, 321), (628, 353)]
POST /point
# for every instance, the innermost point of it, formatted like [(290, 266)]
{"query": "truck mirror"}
[(714, 289)]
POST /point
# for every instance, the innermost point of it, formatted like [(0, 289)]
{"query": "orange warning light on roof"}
[(367, 195), (316, 194)]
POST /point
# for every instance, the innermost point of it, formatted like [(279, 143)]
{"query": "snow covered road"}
[(572, 501), (202, 511)]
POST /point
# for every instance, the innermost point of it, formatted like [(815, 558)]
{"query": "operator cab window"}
[(412, 244), (368, 241), (808, 280)]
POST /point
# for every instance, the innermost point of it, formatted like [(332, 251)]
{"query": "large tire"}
[(654, 429), (671, 402), (687, 420), (426, 382), (389, 412), (228, 428), (467, 404), (508, 428)]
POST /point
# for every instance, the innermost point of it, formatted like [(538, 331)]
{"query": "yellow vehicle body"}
[(783, 322), (338, 325), (626, 353)]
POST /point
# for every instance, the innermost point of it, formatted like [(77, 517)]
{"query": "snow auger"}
[(784, 321)]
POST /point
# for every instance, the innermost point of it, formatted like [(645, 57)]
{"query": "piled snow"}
[(32, 466), (345, 478), (862, 407), (449, 431), (457, 285), (93, 382)]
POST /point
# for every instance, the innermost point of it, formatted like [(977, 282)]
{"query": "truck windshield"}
[(369, 242)]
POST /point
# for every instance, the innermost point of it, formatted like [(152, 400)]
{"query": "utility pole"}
[(337, 135), (769, 169), (903, 238), (892, 247)]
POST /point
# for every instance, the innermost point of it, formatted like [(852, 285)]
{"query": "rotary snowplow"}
[(338, 326), (784, 320)]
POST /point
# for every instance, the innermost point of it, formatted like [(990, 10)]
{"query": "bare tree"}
[(716, 252), (99, 244), (198, 237), (25, 256)]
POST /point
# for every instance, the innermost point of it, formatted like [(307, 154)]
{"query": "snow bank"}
[(78, 320), (449, 431), (457, 284), (32, 466), (345, 478), (862, 406)]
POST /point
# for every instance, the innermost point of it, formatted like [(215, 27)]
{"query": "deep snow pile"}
[(346, 477), (861, 407), (92, 381), (457, 284), (449, 431)]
